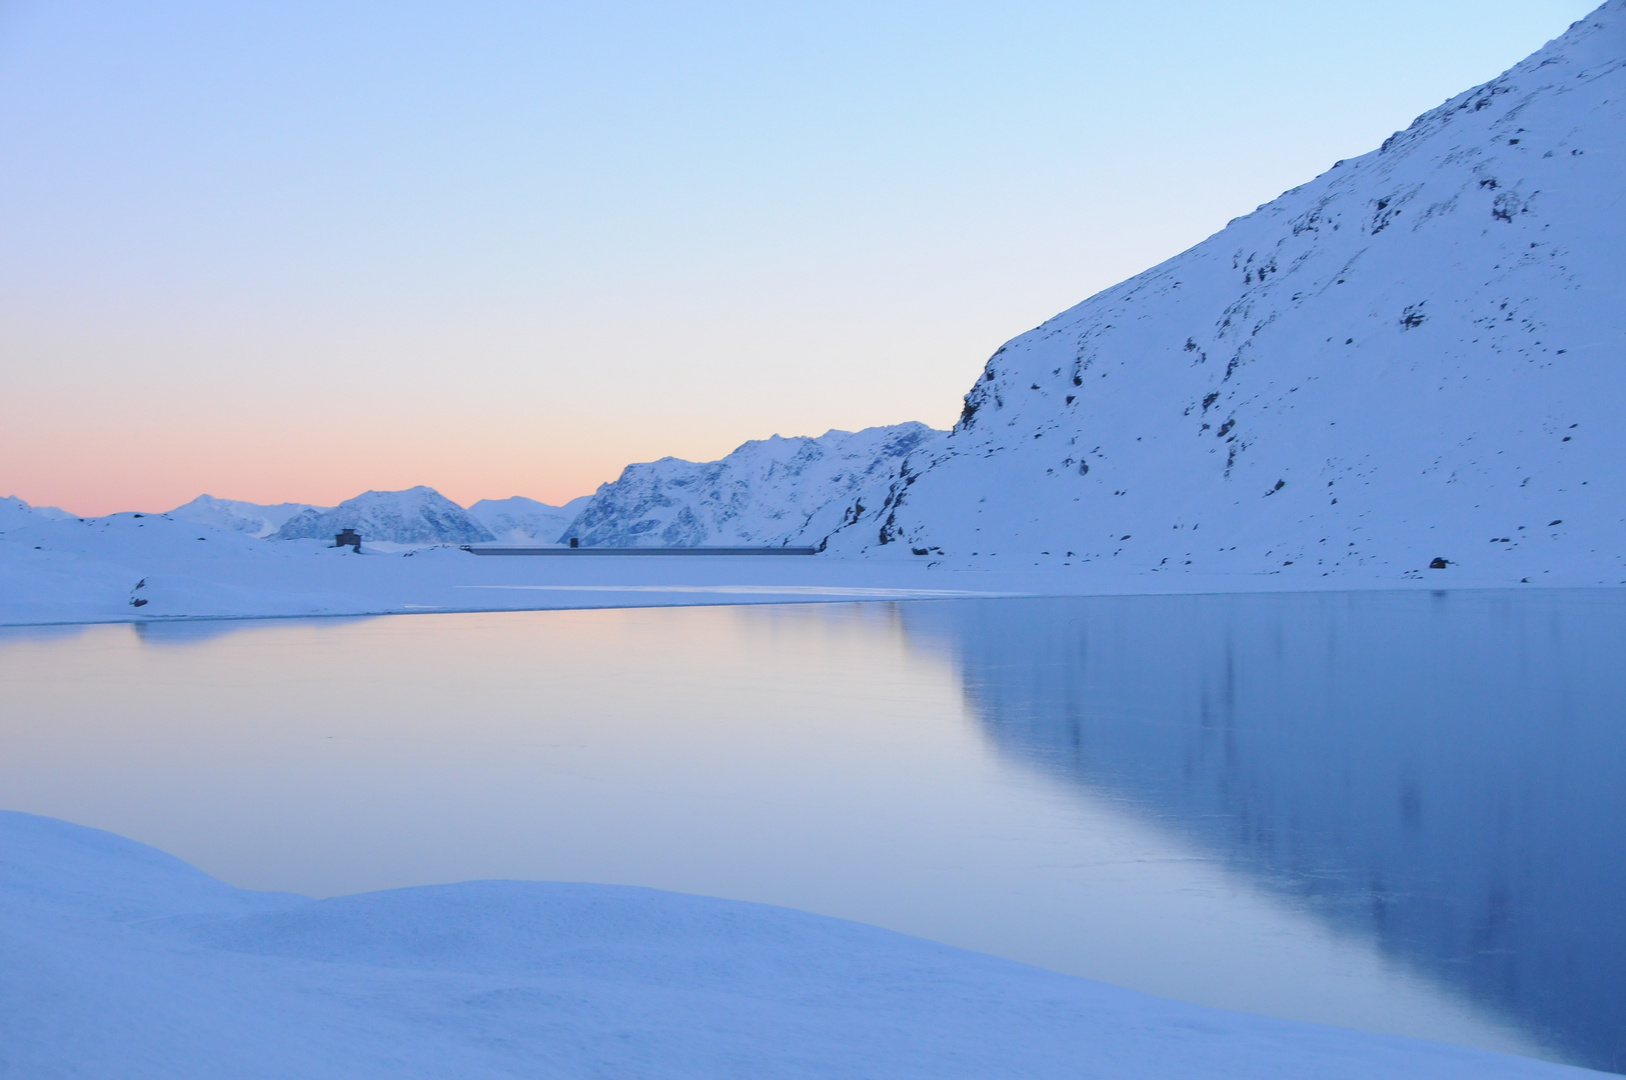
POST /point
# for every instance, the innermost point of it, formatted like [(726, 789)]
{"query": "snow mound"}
[(769, 492), (237, 516), (123, 961), (419, 515), (525, 522), (1420, 355)]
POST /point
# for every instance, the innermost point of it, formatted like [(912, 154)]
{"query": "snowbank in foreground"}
[(123, 961)]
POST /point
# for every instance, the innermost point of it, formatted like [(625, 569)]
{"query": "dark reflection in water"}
[(1444, 773)]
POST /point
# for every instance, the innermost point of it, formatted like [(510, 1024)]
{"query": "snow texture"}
[(123, 961), (768, 493), (523, 522), (244, 517), (1420, 355), (419, 515), (151, 567)]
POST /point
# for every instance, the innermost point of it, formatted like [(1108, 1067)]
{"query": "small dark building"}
[(349, 538)]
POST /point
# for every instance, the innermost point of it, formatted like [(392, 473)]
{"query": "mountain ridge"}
[(768, 492)]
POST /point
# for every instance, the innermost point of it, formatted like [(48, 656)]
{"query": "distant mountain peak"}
[(418, 515), (245, 517), (769, 492), (526, 522)]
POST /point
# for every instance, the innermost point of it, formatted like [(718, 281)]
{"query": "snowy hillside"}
[(49, 531), (237, 516), (1419, 355), (769, 492), (419, 515), (524, 522)]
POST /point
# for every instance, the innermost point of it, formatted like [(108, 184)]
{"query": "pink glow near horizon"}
[(299, 251)]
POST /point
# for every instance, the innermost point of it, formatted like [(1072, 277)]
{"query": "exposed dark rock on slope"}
[(770, 492), (1419, 355), (419, 515)]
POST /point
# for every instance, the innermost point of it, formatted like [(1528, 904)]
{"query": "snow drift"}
[(1417, 356), (124, 961), (769, 492)]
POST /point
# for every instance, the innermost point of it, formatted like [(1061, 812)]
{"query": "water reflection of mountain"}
[(1444, 773)]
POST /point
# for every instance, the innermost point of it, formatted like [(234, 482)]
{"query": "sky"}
[(292, 252)]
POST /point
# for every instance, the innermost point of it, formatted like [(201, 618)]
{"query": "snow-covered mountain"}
[(525, 522), (18, 506), (769, 492), (1419, 355), (237, 516), (419, 515)]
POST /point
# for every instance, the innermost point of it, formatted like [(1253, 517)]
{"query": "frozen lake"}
[(1397, 811)]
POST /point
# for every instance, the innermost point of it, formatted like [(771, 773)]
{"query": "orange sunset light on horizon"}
[(299, 251)]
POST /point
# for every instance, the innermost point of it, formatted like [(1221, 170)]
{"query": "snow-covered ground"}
[(145, 567), (1414, 358), (123, 961), (1418, 355)]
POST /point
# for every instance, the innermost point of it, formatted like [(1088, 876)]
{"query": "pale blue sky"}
[(506, 248)]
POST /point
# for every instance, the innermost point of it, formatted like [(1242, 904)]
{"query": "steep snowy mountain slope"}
[(524, 522), (419, 515), (769, 492), (237, 516), (1419, 355)]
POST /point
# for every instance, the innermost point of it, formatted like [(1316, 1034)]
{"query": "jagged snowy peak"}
[(237, 516), (769, 492), (1419, 354), (419, 515), (526, 522)]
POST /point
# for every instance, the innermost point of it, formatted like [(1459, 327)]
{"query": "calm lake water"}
[(1404, 812)]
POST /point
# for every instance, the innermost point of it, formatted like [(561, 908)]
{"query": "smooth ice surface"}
[(1398, 812)]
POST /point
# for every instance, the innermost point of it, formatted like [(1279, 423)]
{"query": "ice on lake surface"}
[(1397, 811)]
